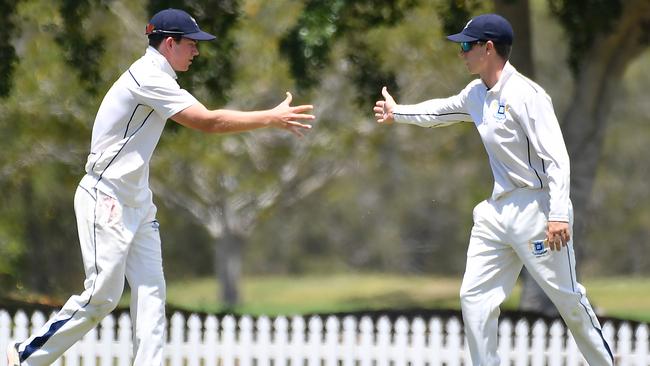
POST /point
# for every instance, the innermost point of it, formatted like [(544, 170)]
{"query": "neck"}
[(492, 72)]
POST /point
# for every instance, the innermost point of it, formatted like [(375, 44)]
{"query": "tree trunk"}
[(36, 258), (228, 259), (518, 14), (597, 83)]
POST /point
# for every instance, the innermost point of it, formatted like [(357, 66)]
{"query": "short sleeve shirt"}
[(128, 126)]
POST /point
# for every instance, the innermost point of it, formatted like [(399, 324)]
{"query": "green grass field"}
[(627, 298)]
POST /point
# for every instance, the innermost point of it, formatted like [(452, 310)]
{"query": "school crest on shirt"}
[(500, 114)]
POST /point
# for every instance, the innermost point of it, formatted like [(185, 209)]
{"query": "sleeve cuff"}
[(561, 218), (398, 114)]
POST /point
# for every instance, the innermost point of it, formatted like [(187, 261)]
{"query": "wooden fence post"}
[(280, 355), (124, 347), (418, 339), (521, 349), (346, 342), (538, 346), (366, 341), (194, 347), (314, 341), (454, 342)]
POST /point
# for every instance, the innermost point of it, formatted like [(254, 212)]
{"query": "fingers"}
[(555, 243), (558, 235), (384, 108), (564, 236), (387, 97), (379, 108), (288, 99), (296, 131), (296, 127), (380, 117), (294, 124), (302, 108), (384, 92), (296, 117), (379, 111), (298, 108), (287, 117)]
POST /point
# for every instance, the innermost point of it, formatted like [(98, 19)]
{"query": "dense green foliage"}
[(585, 20), (7, 51), (351, 195), (82, 48), (308, 44)]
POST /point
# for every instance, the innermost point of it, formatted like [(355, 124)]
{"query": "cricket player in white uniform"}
[(116, 217), (528, 219)]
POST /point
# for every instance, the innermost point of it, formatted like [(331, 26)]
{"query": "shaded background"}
[(351, 195)]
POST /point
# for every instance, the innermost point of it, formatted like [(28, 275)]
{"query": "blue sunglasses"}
[(467, 46)]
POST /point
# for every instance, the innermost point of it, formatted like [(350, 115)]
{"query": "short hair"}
[(503, 49), (156, 39)]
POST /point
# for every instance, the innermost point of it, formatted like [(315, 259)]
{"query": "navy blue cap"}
[(486, 27), (171, 22)]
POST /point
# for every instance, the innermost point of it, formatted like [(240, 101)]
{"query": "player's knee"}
[(573, 312), (104, 304), (468, 299), (108, 306), (469, 293)]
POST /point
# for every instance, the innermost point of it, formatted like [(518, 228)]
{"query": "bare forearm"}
[(225, 120), (222, 120)]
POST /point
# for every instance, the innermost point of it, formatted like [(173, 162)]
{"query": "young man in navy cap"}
[(116, 217), (527, 220)]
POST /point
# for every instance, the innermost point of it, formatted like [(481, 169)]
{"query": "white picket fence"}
[(331, 342)]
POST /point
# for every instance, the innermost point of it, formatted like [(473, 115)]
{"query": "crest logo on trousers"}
[(538, 247)]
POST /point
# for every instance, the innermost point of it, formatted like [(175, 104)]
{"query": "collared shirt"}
[(519, 129), (128, 126)]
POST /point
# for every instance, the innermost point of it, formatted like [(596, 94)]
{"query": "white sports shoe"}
[(13, 357)]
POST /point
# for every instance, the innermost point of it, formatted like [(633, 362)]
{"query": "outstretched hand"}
[(384, 108), (285, 116)]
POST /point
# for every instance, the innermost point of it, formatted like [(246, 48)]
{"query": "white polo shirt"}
[(519, 130), (128, 126)]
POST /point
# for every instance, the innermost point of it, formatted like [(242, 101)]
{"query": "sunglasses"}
[(467, 46)]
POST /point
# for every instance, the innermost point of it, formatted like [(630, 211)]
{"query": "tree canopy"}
[(351, 195)]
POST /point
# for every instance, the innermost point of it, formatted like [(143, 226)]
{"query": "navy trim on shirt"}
[(430, 114), (134, 79), (530, 163)]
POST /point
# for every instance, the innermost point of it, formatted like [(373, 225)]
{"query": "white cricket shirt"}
[(519, 130), (128, 126)]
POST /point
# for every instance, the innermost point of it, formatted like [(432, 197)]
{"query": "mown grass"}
[(621, 297)]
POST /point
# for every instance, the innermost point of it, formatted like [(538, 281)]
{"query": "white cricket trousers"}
[(116, 241), (502, 239)]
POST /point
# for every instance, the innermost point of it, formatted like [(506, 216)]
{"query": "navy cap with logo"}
[(486, 27), (176, 22)]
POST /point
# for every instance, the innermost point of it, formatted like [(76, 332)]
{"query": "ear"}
[(168, 42), (489, 47)]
